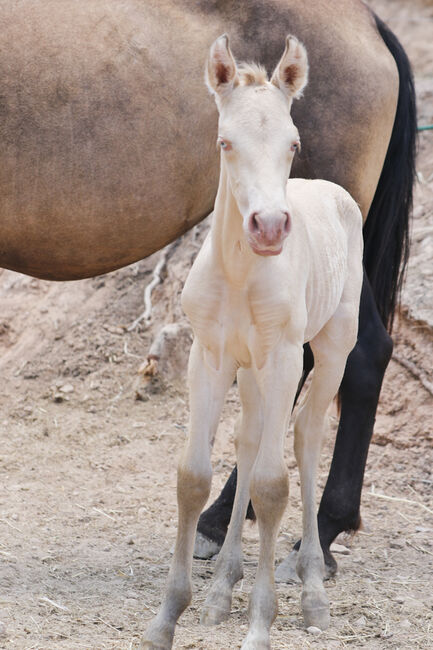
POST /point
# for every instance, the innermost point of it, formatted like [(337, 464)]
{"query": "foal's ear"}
[(291, 73), (221, 74)]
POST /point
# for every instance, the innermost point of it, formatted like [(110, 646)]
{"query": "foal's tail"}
[(386, 232)]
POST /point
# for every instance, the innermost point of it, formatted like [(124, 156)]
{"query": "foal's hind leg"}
[(330, 348), (359, 395), (228, 568)]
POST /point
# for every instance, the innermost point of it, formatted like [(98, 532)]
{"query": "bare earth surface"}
[(87, 471)]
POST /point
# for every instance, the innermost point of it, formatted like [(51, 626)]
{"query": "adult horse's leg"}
[(214, 521)]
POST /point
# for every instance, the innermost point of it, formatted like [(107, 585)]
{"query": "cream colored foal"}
[(282, 265)]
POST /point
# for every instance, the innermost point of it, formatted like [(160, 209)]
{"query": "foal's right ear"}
[(221, 74)]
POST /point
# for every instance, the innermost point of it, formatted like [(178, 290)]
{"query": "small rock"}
[(339, 548), (114, 330), (315, 631), (395, 545), (66, 388), (405, 623), (422, 529), (58, 398), (360, 622)]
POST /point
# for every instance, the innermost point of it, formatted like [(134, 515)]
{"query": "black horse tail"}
[(386, 231)]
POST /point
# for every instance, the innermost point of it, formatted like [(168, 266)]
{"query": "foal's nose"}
[(268, 230)]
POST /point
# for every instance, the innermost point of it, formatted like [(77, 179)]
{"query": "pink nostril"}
[(254, 224)]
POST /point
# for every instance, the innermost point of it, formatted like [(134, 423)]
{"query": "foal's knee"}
[(193, 488), (269, 495)]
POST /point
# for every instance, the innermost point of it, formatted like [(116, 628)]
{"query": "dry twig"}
[(166, 253), (415, 372), (400, 499)]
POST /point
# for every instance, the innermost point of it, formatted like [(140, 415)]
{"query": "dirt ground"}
[(87, 471)]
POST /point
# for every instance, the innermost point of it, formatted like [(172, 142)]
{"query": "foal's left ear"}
[(221, 74), (291, 73)]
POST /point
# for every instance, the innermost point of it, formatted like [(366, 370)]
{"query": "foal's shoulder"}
[(316, 186), (314, 192)]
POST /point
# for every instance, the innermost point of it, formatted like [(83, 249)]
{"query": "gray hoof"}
[(205, 548), (286, 571)]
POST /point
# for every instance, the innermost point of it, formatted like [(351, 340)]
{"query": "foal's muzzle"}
[(267, 231)]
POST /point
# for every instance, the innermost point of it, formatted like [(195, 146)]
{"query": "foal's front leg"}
[(229, 565), (208, 388), (269, 487)]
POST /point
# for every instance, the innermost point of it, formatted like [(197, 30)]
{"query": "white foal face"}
[(257, 137), (258, 140)]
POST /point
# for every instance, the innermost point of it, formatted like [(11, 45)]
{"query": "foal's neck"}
[(229, 242)]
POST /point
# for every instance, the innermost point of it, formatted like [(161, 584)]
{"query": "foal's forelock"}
[(252, 74)]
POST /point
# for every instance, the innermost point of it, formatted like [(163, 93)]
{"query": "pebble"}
[(360, 622), (66, 388), (315, 631), (405, 623)]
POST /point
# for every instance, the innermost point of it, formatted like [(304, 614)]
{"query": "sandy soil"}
[(88, 512)]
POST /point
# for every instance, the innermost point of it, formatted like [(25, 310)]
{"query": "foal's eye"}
[(296, 146), (224, 144)]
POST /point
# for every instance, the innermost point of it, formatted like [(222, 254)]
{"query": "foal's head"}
[(257, 136)]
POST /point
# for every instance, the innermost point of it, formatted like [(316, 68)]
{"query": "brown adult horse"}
[(104, 160)]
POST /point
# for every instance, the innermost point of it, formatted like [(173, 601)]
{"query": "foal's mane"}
[(252, 74)]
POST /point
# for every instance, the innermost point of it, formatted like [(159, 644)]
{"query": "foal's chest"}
[(245, 323)]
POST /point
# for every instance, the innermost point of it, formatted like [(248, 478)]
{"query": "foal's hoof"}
[(315, 609), (286, 571), (254, 641), (204, 547), (157, 637), (215, 614), (146, 644)]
